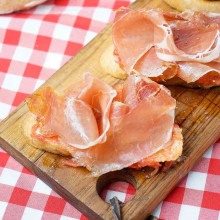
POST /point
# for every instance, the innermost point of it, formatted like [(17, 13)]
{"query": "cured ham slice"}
[(136, 32), (80, 118), (192, 71), (195, 40), (204, 16), (127, 34), (170, 153), (150, 65), (141, 121), (159, 44), (104, 128)]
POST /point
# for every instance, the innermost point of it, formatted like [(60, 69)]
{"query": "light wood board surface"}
[(198, 113)]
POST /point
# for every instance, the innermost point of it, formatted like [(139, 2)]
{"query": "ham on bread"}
[(9, 6), (163, 45), (208, 5), (80, 118), (106, 129)]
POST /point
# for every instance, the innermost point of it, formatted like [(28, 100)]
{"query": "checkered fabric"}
[(33, 45)]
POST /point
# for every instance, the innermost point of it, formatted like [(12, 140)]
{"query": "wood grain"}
[(198, 113)]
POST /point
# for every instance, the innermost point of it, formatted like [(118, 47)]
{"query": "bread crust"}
[(182, 5), (47, 145), (9, 6), (109, 65)]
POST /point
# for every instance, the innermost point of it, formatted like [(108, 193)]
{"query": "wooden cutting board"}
[(197, 112)]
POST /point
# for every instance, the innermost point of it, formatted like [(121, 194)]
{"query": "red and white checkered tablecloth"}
[(33, 45)]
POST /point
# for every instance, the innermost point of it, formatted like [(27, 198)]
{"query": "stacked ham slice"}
[(107, 128), (162, 45)]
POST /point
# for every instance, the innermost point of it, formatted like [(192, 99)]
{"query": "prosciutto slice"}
[(141, 119), (150, 65), (80, 118), (154, 42), (192, 71), (106, 129), (136, 32)]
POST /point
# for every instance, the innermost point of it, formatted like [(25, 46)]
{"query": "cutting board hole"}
[(121, 184), (122, 190)]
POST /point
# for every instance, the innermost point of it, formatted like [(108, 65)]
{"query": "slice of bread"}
[(109, 65), (47, 145), (9, 6), (169, 154), (207, 5)]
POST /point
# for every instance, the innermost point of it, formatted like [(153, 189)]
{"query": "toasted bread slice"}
[(109, 65), (207, 5), (47, 145), (169, 154), (9, 6)]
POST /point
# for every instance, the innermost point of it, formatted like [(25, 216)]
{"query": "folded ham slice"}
[(195, 37), (161, 44), (191, 72), (156, 69), (80, 118), (170, 152), (141, 121), (136, 32), (106, 129)]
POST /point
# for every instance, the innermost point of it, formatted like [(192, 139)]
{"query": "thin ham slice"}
[(80, 118), (193, 71), (136, 32), (127, 34), (170, 152), (195, 40), (204, 16), (151, 66), (141, 121), (102, 130), (154, 42)]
